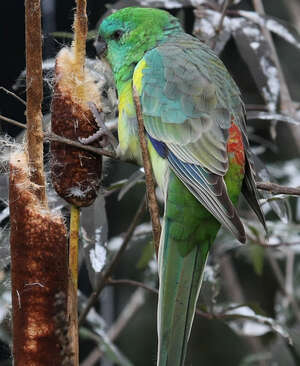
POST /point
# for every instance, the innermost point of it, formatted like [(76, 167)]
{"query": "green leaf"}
[(257, 253), (147, 254)]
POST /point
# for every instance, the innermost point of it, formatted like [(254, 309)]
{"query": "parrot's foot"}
[(104, 136)]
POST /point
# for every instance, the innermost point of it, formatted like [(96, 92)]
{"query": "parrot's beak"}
[(100, 46)]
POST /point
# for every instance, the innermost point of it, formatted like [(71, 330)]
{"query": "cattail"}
[(39, 269), (76, 173)]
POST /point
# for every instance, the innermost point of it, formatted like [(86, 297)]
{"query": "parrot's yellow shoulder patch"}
[(138, 75)]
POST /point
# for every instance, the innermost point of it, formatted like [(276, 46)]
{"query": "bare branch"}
[(131, 283), (286, 101), (12, 121), (13, 95), (152, 201), (220, 25), (95, 150), (277, 189), (53, 137), (135, 302), (281, 282)]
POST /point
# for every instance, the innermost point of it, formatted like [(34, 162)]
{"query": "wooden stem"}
[(34, 88), (73, 246), (80, 33), (152, 201)]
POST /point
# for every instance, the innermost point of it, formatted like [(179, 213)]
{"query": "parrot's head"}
[(126, 35)]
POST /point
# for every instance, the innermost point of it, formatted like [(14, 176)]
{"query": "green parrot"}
[(196, 133)]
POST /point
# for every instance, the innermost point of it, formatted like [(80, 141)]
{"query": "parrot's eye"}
[(117, 35)]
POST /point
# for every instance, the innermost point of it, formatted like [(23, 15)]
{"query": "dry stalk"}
[(34, 87), (38, 270), (150, 185)]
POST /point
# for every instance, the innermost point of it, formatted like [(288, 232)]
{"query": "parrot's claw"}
[(103, 135)]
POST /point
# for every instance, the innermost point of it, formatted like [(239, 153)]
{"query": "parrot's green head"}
[(127, 34)]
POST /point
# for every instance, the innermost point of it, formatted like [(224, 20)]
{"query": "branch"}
[(128, 282), (13, 95), (264, 186), (286, 101), (136, 300), (220, 25), (108, 271), (95, 150), (277, 189), (281, 282), (53, 137), (152, 201), (112, 282), (12, 121)]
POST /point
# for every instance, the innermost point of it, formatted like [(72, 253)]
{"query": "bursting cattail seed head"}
[(76, 173)]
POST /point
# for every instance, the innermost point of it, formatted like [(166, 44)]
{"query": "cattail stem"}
[(34, 88), (73, 244), (73, 282), (80, 33)]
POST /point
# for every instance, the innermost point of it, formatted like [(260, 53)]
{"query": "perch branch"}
[(53, 137), (108, 271), (264, 186), (277, 189), (152, 201)]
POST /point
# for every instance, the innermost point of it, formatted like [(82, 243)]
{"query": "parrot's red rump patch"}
[(235, 146)]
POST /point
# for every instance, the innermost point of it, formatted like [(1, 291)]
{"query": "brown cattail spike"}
[(39, 269), (75, 173)]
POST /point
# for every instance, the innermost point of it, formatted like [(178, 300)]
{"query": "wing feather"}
[(188, 101)]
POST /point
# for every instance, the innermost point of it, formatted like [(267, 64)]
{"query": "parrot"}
[(195, 126)]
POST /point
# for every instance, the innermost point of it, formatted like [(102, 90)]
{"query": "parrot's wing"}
[(190, 113)]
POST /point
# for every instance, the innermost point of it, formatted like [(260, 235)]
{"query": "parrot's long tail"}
[(180, 282), (188, 230)]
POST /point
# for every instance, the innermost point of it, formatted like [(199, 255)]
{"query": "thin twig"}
[(53, 137), (281, 282), (128, 282), (278, 245), (220, 25), (95, 150), (12, 121), (108, 271), (285, 97), (277, 189), (112, 282), (152, 201), (13, 95), (132, 306)]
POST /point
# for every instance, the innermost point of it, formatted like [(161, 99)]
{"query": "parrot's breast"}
[(129, 145)]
